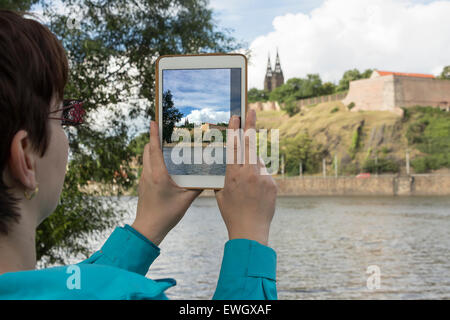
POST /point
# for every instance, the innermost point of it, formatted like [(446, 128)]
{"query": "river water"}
[(324, 246)]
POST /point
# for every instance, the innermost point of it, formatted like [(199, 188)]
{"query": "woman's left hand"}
[(162, 203)]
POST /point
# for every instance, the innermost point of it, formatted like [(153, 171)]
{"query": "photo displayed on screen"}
[(194, 102)]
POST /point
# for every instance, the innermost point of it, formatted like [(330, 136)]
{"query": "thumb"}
[(191, 194)]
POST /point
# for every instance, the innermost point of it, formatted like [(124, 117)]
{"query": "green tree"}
[(351, 75), (328, 88), (445, 74), (17, 5), (298, 88), (289, 89), (366, 74), (171, 116), (348, 76), (255, 95), (112, 52)]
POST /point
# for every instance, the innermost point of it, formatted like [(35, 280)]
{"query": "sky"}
[(200, 95), (329, 37)]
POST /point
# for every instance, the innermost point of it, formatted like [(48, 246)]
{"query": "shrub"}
[(351, 105), (290, 107), (429, 130), (385, 150), (301, 148), (355, 141), (431, 162), (382, 165)]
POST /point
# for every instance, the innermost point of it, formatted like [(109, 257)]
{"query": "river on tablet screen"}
[(324, 245), (190, 168)]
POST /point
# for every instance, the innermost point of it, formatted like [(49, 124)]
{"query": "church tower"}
[(275, 78), (268, 77)]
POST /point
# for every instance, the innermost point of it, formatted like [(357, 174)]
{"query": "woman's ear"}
[(22, 160)]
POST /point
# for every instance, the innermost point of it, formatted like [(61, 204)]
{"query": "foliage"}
[(335, 109), (429, 132), (290, 106), (301, 149), (136, 146), (382, 165), (351, 75), (112, 53), (351, 105), (431, 162), (445, 74), (255, 95), (17, 5), (328, 88), (356, 138), (298, 88), (171, 115)]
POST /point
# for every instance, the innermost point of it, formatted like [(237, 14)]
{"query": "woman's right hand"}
[(247, 201)]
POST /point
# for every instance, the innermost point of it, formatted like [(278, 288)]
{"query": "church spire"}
[(269, 67), (278, 65)]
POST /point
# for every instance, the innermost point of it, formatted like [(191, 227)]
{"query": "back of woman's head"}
[(33, 70)]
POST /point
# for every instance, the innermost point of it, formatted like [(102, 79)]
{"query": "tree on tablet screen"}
[(171, 116)]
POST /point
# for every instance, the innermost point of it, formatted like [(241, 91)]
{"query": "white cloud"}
[(198, 116), (396, 35)]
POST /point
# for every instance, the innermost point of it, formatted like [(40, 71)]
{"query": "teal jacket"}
[(117, 271)]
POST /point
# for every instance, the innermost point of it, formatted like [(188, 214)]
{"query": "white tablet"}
[(195, 97)]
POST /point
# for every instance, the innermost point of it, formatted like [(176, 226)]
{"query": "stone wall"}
[(265, 106), (385, 185), (391, 92), (389, 185), (411, 91), (327, 98)]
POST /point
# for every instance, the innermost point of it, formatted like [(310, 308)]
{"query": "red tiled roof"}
[(404, 74)]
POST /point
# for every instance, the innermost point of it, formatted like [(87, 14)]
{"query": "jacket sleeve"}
[(248, 272), (126, 249)]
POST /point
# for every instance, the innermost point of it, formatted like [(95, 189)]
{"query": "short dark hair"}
[(33, 70)]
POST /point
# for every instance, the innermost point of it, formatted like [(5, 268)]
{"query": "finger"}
[(250, 135), (250, 120), (193, 193), (233, 141), (262, 167), (155, 152)]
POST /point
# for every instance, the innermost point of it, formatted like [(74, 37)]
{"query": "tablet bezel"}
[(199, 61)]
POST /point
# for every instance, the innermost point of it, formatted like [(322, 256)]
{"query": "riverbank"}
[(383, 185)]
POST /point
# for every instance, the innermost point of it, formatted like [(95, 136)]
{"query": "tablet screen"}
[(197, 105)]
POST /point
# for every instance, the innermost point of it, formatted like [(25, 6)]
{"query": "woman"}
[(33, 160)]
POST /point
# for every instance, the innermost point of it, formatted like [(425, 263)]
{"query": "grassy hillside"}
[(357, 138)]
